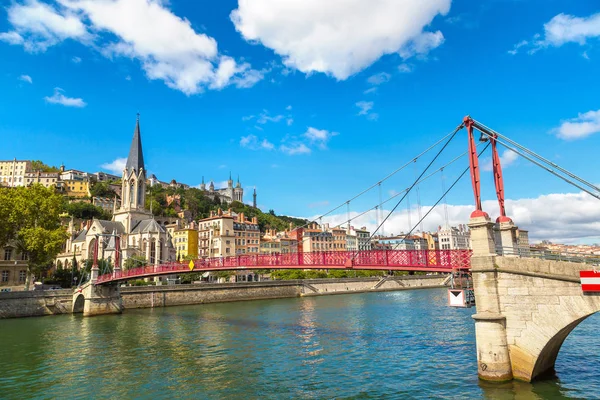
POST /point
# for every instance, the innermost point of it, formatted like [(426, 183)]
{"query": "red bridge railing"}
[(406, 260)]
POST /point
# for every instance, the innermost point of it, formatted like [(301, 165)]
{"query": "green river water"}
[(392, 345)]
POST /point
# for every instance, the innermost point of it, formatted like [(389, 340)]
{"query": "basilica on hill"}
[(140, 233)]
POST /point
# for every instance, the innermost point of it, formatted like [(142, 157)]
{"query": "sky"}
[(312, 102)]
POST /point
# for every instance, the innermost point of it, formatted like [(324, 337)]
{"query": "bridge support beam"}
[(97, 300), (493, 358)]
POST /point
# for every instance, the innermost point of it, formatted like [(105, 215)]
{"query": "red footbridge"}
[(386, 260)]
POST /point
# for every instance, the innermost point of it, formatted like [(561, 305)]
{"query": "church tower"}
[(133, 184), (133, 190), (238, 192)]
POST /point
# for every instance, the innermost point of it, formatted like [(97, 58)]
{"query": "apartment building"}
[(12, 172)]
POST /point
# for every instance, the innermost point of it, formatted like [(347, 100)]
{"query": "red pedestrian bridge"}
[(386, 260)]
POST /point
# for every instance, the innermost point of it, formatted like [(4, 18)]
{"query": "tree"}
[(38, 165), (83, 210), (30, 216), (102, 189), (134, 262)]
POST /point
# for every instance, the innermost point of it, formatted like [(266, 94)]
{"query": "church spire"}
[(135, 161)]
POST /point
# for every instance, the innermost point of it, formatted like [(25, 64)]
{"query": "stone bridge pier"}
[(526, 308), (91, 299)]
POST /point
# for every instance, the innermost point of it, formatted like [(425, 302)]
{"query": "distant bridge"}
[(386, 260)]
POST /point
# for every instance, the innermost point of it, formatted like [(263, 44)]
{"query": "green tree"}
[(83, 210), (134, 262), (38, 165), (102, 189), (30, 216)]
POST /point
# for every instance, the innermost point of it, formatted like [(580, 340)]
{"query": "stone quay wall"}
[(33, 303)]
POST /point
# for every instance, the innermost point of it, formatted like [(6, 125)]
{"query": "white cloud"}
[(319, 136), (59, 98), (264, 117), (584, 125), (422, 44), (561, 29), (370, 90), (76, 60), (405, 68), (379, 78), (26, 78), (507, 158), (567, 28), (295, 149), (559, 217), (38, 26), (365, 108), (517, 46), (265, 144), (176, 54), (115, 167), (11, 38), (289, 121), (288, 108), (339, 37), (252, 142)]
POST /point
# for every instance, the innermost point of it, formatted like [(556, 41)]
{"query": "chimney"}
[(254, 220), (219, 211)]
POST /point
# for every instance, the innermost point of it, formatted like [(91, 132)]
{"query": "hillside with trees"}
[(199, 206)]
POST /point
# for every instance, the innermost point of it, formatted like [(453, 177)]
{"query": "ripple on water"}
[(363, 346)]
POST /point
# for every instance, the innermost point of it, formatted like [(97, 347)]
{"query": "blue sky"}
[(310, 103)]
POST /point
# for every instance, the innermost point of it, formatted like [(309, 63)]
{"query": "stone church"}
[(226, 195), (140, 233)]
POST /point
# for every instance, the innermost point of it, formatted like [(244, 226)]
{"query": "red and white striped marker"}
[(590, 281)]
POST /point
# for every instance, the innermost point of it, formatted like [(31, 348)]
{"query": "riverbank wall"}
[(32, 303)]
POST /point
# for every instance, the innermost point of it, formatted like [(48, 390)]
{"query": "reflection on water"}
[(372, 345)]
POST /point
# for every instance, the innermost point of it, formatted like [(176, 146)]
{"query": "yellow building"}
[(12, 173), (186, 242), (76, 188)]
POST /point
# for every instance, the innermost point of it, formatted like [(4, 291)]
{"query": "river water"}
[(396, 345)]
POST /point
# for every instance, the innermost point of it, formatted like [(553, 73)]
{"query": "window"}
[(24, 256), (22, 276), (4, 276), (7, 253)]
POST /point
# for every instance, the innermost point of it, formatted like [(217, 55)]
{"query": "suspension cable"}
[(376, 207), (443, 196), (479, 125), (414, 183), (384, 179), (549, 170), (445, 200)]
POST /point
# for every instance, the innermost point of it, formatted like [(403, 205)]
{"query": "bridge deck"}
[(395, 260)]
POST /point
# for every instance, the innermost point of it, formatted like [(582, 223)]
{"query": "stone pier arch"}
[(526, 308), (542, 302), (78, 303)]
